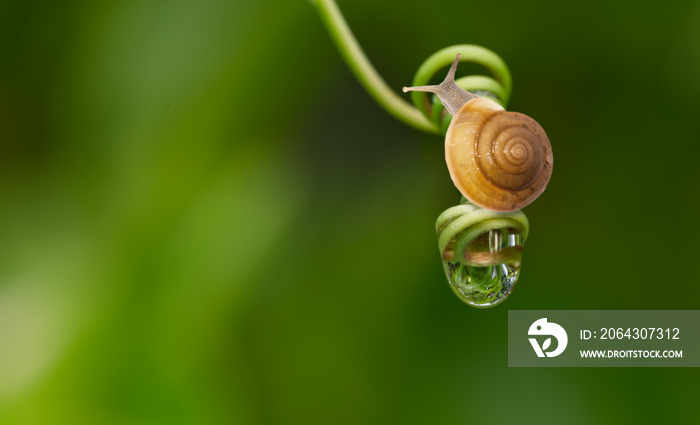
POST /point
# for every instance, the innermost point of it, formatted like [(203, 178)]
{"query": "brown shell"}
[(499, 160)]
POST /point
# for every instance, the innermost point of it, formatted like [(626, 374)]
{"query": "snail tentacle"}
[(498, 87), (451, 95)]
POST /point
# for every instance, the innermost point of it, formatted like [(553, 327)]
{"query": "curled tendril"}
[(428, 113), (470, 270), (458, 226)]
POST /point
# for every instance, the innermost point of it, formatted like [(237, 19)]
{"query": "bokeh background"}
[(204, 219)]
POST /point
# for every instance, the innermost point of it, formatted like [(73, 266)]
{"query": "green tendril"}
[(458, 226), (365, 72), (428, 114)]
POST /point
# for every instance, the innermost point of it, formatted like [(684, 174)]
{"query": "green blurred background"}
[(204, 219)]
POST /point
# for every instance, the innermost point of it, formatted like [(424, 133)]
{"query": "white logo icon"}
[(542, 327)]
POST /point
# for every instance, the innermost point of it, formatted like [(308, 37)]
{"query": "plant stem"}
[(365, 72)]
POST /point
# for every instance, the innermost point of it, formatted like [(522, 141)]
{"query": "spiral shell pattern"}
[(498, 160)]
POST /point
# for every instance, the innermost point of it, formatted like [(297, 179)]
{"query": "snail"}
[(498, 160)]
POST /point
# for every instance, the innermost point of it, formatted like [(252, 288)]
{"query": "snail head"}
[(451, 95)]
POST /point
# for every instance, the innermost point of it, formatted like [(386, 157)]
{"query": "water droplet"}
[(492, 268)]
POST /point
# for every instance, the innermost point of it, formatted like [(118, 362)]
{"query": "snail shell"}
[(498, 160)]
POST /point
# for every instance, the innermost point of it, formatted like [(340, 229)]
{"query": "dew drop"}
[(492, 268)]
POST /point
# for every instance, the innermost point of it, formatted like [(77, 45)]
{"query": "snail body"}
[(498, 160)]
